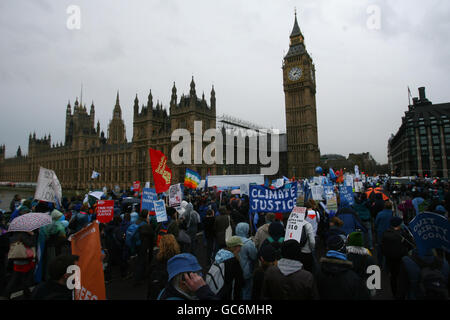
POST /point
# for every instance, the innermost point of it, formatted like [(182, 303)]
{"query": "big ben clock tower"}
[(299, 84)]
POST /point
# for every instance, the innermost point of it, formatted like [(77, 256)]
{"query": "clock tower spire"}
[(300, 101)]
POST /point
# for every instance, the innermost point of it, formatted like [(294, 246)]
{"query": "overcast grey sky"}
[(134, 46)]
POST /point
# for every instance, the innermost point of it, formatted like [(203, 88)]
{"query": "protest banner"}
[(160, 210), (357, 171), (137, 186), (86, 245), (346, 195), (317, 192), (331, 201), (162, 175), (175, 195), (317, 180), (264, 199), (295, 223), (105, 210), (48, 187), (148, 197), (359, 186), (300, 198), (244, 189), (430, 231)]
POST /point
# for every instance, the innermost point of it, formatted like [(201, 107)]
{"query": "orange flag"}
[(86, 245), (162, 175)]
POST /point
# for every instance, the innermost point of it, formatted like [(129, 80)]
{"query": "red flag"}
[(162, 175)]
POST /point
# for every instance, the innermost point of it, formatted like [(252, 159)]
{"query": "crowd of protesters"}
[(211, 248)]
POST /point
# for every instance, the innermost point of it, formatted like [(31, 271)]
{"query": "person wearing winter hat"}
[(276, 237), (267, 258), (263, 231), (360, 256), (336, 279), (233, 275), (395, 244), (185, 281), (288, 280), (247, 257)]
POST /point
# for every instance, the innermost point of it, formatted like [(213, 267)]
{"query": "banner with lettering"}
[(105, 210), (295, 223), (430, 231), (137, 186), (317, 192), (148, 198), (175, 195), (160, 210), (346, 196), (281, 200), (48, 187), (86, 245), (162, 175)]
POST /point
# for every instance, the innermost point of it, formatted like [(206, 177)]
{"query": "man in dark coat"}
[(145, 250), (56, 287), (288, 280), (395, 244), (221, 224), (335, 278)]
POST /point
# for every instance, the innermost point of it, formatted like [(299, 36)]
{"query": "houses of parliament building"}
[(86, 148)]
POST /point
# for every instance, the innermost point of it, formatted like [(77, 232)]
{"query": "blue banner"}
[(281, 200), (148, 196), (430, 231), (346, 196)]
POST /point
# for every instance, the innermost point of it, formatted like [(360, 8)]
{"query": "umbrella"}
[(372, 191), (30, 221)]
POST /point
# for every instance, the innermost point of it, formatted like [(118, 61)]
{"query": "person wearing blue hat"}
[(185, 281)]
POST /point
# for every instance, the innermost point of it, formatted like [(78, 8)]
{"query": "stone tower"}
[(300, 100)]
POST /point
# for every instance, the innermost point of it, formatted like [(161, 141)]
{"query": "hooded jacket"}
[(288, 281), (234, 279), (336, 280), (361, 258), (261, 235), (248, 254)]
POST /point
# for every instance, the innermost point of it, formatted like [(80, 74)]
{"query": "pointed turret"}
[(150, 100), (296, 29), (213, 97), (136, 105), (117, 110), (192, 91), (173, 100)]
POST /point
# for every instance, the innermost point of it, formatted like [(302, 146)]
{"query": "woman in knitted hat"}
[(360, 256)]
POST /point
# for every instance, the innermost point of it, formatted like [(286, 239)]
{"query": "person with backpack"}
[(362, 209), (395, 244), (360, 256), (168, 248), (263, 231), (423, 277), (266, 259), (275, 239), (140, 239), (184, 281), (221, 224), (288, 280), (247, 257), (336, 279), (225, 277)]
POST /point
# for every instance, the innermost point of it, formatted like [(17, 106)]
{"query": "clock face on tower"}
[(295, 74)]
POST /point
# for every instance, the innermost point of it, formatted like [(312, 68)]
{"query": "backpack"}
[(132, 240), (215, 278), (276, 245), (432, 283)]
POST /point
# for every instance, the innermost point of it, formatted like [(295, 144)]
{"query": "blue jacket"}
[(383, 222), (248, 253), (351, 220)]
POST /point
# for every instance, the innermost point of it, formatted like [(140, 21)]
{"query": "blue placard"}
[(148, 196), (346, 196), (160, 211), (430, 231), (281, 200)]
